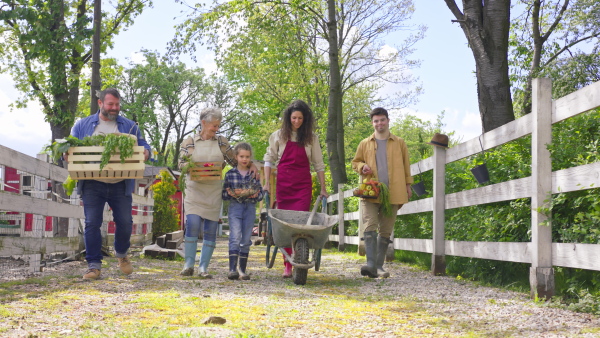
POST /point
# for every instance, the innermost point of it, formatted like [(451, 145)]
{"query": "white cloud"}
[(207, 62), (24, 130), (387, 50), (137, 58), (465, 123)]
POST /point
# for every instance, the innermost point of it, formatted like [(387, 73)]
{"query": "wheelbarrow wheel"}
[(300, 256)]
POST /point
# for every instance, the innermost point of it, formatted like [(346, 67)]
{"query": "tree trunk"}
[(486, 27), (59, 121), (335, 128)]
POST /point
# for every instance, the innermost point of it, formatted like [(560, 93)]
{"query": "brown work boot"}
[(92, 274), (125, 265)]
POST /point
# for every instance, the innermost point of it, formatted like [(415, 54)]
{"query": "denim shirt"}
[(86, 126)]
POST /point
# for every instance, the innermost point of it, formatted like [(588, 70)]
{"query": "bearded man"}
[(116, 192)]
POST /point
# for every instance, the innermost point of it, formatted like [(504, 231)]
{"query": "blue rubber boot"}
[(190, 245), (208, 247), (233, 261), (243, 264)]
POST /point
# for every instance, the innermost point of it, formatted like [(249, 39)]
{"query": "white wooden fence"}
[(35, 224), (541, 253)]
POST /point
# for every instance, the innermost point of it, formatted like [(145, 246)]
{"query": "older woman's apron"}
[(203, 198), (294, 182)]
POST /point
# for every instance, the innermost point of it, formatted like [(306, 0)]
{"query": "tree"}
[(550, 35), (486, 26), (417, 132), (48, 44), (277, 52), (223, 95), (165, 98)]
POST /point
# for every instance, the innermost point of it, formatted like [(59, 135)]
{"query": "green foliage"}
[(113, 142), (184, 172), (568, 46), (47, 45), (384, 197), (111, 75), (69, 184), (575, 216), (278, 55), (416, 132), (165, 97), (578, 289), (166, 216)]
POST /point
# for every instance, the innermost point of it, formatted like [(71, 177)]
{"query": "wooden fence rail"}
[(541, 253)]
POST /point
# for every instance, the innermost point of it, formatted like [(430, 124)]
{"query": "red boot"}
[(287, 271)]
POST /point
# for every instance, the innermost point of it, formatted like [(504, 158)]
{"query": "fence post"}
[(35, 263), (541, 273), (340, 207), (438, 258)]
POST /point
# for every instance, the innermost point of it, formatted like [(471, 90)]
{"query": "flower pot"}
[(481, 173), (419, 189)]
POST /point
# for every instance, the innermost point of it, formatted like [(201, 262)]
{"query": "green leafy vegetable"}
[(69, 184), (112, 143), (384, 199), (184, 170)]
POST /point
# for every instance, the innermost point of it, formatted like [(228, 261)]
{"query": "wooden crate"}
[(202, 173), (84, 164)]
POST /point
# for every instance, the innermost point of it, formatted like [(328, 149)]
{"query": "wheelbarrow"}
[(300, 230)]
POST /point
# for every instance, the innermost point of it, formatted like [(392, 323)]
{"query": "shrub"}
[(166, 216)]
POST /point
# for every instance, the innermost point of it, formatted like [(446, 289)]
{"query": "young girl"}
[(243, 191)]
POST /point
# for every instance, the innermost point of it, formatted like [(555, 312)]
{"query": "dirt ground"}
[(155, 301)]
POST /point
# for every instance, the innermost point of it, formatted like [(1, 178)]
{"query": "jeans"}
[(241, 221), (193, 224), (95, 195)]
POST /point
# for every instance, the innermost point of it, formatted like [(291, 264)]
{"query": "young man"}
[(116, 192), (385, 157)]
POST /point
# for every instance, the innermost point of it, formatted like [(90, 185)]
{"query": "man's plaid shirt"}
[(235, 180)]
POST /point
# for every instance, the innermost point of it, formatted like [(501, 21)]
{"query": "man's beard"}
[(111, 117)]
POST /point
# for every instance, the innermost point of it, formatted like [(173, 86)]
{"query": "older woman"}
[(203, 198), (293, 148)]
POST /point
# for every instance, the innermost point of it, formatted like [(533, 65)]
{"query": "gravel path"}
[(336, 302)]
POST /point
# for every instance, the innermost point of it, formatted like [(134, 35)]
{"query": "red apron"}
[(294, 182)]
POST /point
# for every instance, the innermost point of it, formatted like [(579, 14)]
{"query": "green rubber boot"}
[(370, 269), (382, 246)]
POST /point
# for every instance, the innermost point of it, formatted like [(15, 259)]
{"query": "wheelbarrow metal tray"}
[(288, 224)]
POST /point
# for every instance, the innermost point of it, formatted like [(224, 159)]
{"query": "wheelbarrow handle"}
[(269, 257), (314, 210)]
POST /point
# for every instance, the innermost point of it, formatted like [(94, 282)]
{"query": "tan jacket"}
[(398, 165), (276, 148)]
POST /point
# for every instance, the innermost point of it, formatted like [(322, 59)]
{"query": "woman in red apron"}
[(293, 149)]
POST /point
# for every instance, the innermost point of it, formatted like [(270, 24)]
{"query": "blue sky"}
[(446, 72)]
